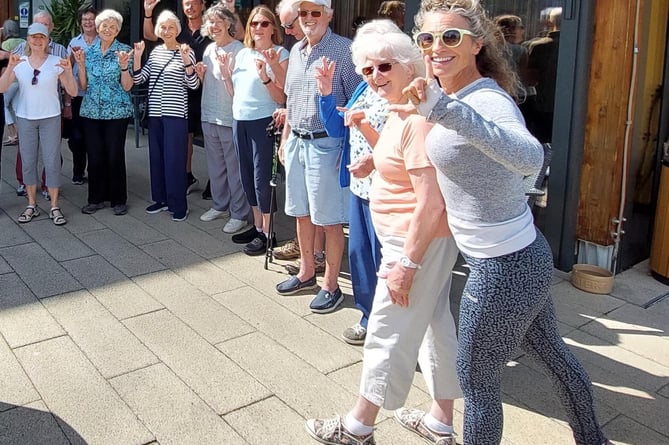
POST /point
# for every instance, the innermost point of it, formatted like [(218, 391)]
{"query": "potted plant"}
[(65, 15)]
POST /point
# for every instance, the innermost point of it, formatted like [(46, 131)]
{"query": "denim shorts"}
[(312, 180)]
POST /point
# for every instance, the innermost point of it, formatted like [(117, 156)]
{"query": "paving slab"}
[(193, 268), (60, 244), (23, 319), (174, 413), (4, 267), (576, 308), (130, 227), (525, 426), (303, 338), (12, 234), (39, 270), (122, 297), (263, 423), (33, 424), (107, 343), (628, 432), (127, 258), (200, 365), (636, 286), (202, 313), (76, 393), (295, 382), (634, 329), (15, 387)]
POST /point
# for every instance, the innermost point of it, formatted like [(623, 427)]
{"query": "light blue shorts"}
[(312, 180)]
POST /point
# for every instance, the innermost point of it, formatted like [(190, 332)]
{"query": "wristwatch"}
[(406, 262)]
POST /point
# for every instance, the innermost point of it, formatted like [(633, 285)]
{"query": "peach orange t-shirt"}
[(400, 148)]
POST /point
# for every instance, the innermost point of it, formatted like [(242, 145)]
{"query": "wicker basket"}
[(593, 279)]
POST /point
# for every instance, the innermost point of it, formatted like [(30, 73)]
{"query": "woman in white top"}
[(38, 111), (258, 75)]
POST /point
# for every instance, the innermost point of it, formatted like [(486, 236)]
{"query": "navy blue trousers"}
[(255, 151), (168, 148), (364, 255)]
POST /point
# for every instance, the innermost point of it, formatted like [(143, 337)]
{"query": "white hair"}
[(285, 5), (164, 17), (106, 15), (383, 40)]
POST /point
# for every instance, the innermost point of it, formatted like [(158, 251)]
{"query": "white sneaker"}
[(234, 225), (212, 214)]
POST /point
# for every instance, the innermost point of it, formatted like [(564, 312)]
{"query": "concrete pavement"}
[(141, 330)]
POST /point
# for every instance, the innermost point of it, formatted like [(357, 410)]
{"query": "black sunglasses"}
[(290, 25), (381, 68), (451, 37), (263, 24), (35, 74), (314, 14)]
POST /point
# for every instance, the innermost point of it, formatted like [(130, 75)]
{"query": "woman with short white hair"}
[(38, 115), (104, 74), (170, 72)]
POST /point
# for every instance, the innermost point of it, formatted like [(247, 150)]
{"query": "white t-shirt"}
[(252, 100), (42, 100)]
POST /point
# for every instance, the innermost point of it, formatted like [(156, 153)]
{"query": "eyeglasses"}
[(451, 37), (290, 25), (314, 14), (381, 68), (263, 24), (35, 74)]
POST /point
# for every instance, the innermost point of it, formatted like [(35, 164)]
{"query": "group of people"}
[(416, 143)]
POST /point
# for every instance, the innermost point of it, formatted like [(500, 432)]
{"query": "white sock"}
[(436, 425), (356, 427), (259, 229)]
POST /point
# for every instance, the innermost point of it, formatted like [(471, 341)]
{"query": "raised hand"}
[(123, 58), (324, 75), (261, 68), (415, 93), (353, 118), (14, 59), (79, 55), (226, 62), (65, 64), (149, 5), (200, 69), (185, 51), (138, 48), (271, 57)]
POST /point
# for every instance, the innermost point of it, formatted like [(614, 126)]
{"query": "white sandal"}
[(28, 214), (57, 216)]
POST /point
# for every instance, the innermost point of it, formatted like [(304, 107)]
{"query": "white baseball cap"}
[(38, 28), (326, 3)]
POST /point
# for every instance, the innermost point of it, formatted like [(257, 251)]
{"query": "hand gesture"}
[(138, 48), (363, 167), (79, 55), (123, 58), (353, 118), (185, 51), (324, 75), (14, 59), (149, 5), (271, 57), (261, 68), (65, 64), (415, 92), (200, 69), (226, 62)]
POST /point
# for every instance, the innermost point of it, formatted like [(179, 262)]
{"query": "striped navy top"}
[(168, 82)]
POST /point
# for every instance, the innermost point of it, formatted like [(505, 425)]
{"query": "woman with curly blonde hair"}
[(482, 151)]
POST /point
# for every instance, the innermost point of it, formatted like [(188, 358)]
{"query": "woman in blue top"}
[(104, 74), (258, 73)]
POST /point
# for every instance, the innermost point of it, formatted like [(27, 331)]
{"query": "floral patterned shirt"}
[(105, 97), (376, 112)]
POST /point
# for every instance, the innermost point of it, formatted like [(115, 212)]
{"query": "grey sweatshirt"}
[(481, 150)]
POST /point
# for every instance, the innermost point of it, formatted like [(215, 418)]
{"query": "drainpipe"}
[(618, 221)]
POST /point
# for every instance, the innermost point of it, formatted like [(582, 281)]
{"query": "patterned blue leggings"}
[(506, 303)]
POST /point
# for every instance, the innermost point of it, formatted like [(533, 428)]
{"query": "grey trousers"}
[(223, 167), (36, 135)]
